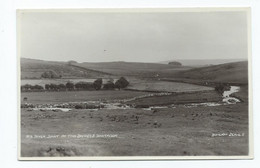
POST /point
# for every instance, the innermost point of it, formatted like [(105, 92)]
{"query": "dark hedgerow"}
[(69, 85)]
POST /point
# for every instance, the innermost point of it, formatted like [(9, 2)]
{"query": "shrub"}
[(121, 83), (221, 88), (28, 87), (175, 63), (54, 86), (97, 84), (70, 85), (37, 87), (61, 86), (47, 86), (84, 86), (50, 74)]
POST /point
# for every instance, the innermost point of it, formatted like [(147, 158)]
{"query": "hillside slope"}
[(203, 62), (31, 68), (133, 68), (236, 72)]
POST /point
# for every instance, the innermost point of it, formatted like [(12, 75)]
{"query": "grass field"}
[(175, 132), (220, 130), (179, 98), (164, 86), (77, 96)]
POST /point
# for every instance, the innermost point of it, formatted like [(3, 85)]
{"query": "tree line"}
[(70, 86)]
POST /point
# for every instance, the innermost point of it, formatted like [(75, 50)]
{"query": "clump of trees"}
[(221, 88), (69, 86), (55, 87), (97, 84), (175, 63), (84, 86), (50, 74), (121, 83), (28, 87)]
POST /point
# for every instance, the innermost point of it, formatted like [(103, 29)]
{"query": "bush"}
[(175, 63), (37, 87), (84, 86), (121, 83), (47, 86), (70, 85), (62, 86), (50, 74), (54, 86), (97, 84), (28, 87), (221, 88)]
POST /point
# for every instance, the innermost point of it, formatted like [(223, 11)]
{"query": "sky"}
[(132, 36)]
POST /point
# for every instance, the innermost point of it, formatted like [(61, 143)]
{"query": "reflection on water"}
[(227, 99), (226, 95)]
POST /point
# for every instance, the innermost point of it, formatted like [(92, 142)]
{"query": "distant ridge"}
[(33, 69), (203, 62), (235, 72)]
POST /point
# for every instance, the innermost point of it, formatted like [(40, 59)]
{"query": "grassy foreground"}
[(221, 130), (180, 131)]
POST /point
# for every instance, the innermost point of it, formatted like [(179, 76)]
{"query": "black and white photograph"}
[(134, 84)]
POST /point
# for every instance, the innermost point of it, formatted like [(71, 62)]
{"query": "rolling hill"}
[(236, 72), (203, 62), (133, 68), (33, 69)]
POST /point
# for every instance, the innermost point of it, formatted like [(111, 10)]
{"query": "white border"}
[(8, 113), (138, 10)]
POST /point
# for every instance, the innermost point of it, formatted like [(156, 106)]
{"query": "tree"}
[(69, 85), (78, 85), (87, 86), (62, 86), (175, 63), (47, 86), (53, 86), (37, 87), (121, 83), (98, 84), (50, 74), (27, 87), (221, 88)]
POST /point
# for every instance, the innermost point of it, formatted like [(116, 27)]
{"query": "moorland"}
[(164, 110)]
